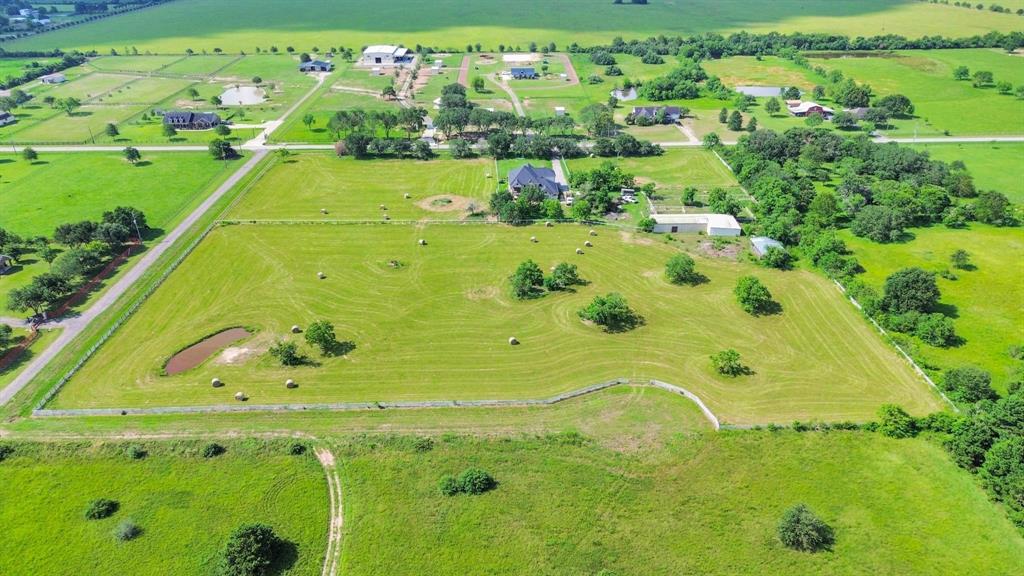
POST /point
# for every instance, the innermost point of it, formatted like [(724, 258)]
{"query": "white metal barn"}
[(385, 55), (710, 224)]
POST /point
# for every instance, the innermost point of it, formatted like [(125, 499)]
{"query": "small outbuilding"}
[(386, 55), (55, 78), (7, 118), (6, 263), (710, 224), (761, 244)]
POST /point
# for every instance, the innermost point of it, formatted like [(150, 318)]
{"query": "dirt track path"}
[(464, 71), (333, 555)]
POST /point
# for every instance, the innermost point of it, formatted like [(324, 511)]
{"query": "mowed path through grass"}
[(699, 504), (355, 189), (987, 302), (185, 504), (437, 326)]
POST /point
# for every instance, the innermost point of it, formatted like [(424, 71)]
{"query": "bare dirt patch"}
[(729, 250), (482, 293), (236, 355), (197, 353), (630, 238), (445, 203)]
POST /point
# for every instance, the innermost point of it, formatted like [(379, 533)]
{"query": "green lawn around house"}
[(41, 341), (186, 506), (987, 303)]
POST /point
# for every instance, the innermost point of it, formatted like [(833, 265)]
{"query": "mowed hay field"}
[(942, 103), (697, 504), (437, 327), (987, 303), (236, 25), (185, 504), (355, 189)]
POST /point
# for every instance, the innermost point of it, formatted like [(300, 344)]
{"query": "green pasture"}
[(147, 63), (199, 65), (355, 189), (994, 165), (676, 169), (18, 66), (631, 66), (43, 340), (691, 504), (451, 24), (145, 91), (985, 303), (437, 325), (769, 71), (185, 504), (942, 103)]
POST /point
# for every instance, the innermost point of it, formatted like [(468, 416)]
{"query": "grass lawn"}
[(942, 103), (18, 66), (148, 63), (437, 326), (986, 302), (671, 172), (769, 71), (695, 504), (322, 107), (185, 504), (43, 340), (200, 65), (451, 24), (354, 190), (995, 165)]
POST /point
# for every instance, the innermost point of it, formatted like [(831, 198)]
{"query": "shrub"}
[(778, 258), (136, 452), (213, 450), (448, 485), (321, 335), (610, 311), (910, 289), (800, 529), (727, 362), (423, 444), (936, 329), (968, 384), (127, 530), (526, 279), (475, 481), (101, 508), (287, 353), (681, 269), (564, 276), (5, 451), (297, 449), (249, 551), (752, 295), (646, 224), (894, 422)]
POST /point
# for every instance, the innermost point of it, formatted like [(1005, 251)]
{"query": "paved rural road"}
[(73, 326)]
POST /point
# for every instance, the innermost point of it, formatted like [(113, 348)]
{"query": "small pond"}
[(243, 95), (197, 353), (625, 96)]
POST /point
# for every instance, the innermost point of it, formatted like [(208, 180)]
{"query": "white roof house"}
[(710, 224), (385, 55), (761, 245)]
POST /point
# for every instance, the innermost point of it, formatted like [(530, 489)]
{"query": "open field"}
[(437, 326), (18, 66), (185, 504), (671, 172), (942, 103), (355, 189), (769, 71), (986, 303), (148, 63), (453, 24), (699, 504), (995, 166)]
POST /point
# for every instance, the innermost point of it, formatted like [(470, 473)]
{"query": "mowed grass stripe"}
[(437, 327)]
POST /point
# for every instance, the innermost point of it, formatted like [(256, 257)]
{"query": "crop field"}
[(436, 325), (942, 103), (452, 24), (995, 166), (186, 506), (986, 303), (355, 190), (690, 504)]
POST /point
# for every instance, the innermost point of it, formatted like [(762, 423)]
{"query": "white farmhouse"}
[(386, 55), (710, 224)]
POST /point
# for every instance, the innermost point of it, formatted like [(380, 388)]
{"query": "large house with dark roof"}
[(187, 120), (530, 175), (7, 118), (669, 113), (316, 66)]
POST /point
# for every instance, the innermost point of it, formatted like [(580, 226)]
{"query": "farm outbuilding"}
[(55, 78), (316, 66), (761, 244), (803, 109), (523, 73), (710, 224), (386, 55)]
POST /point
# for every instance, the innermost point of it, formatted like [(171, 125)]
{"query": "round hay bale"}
[(513, 341), (383, 207), (386, 217), (289, 383), (321, 275), (533, 238), (593, 232), (296, 329), (240, 396), (588, 244), (579, 250), (216, 383), (407, 196), (323, 210), (422, 242)]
